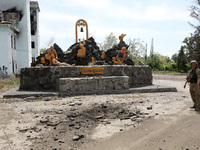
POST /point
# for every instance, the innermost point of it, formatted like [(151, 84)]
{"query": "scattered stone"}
[(77, 127), (71, 104), (106, 121), (52, 123), (78, 103), (23, 130), (149, 108), (99, 117), (137, 119), (72, 115), (60, 141), (71, 124), (36, 129), (73, 109), (78, 137), (121, 130), (59, 112), (45, 120), (124, 118)]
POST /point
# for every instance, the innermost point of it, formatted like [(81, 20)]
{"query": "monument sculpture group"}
[(85, 69)]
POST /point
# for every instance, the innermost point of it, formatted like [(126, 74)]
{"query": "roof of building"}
[(35, 4)]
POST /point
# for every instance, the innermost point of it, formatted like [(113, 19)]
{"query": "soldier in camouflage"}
[(193, 79)]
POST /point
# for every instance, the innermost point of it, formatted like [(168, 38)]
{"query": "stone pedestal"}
[(94, 85), (47, 78)]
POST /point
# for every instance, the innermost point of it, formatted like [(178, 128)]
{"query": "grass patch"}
[(165, 72), (8, 83)]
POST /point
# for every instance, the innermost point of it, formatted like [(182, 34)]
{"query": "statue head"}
[(52, 47), (123, 48)]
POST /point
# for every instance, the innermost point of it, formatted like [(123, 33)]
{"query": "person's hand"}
[(184, 86)]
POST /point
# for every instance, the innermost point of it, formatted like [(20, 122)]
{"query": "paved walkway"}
[(15, 93)]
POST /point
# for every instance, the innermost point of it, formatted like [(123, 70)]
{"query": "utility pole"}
[(145, 55), (152, 53)]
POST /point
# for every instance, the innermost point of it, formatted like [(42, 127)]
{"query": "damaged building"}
[(19, 35)]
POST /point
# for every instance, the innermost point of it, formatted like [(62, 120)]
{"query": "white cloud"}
[(90, 4), (55, 16)]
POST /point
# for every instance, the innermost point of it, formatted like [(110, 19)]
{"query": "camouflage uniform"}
[(195, 94)]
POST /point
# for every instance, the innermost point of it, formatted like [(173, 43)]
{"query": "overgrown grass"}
[(165, 72), (8, 83)]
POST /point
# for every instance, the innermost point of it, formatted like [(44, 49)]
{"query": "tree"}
[(109, 42), (195, 13), (137, 50), (174, 58), (154, 61), (42, 50), (182, 60)]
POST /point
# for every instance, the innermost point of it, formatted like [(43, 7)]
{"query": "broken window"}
[(12, 15), (33, 44), (14, 39), (33, 18), (11, 41), (33, 59)]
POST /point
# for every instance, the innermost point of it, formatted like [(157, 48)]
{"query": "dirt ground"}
[(148, 121)]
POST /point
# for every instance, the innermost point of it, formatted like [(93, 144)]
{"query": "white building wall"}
[(23, 51), (35, 38), (7, 53)]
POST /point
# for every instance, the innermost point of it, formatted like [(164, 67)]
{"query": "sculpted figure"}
[(82, 51), (103, 55), (54, 61), (50, 52), (121, 55), (121, 37), (93, 62), (114, 60)]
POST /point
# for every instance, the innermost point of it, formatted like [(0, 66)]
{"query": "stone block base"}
[(47, 78), (94, 85)]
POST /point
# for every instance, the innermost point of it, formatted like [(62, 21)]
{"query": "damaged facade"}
[(19, 35)]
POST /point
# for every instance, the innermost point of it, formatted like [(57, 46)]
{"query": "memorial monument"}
[(85, 69)]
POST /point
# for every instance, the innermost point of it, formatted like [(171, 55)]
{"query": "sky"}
[(164, 21)]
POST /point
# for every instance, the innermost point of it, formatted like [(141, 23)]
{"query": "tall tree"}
[(182, 60), (195, 13), (109, 42), (136, 49), (174, 58)]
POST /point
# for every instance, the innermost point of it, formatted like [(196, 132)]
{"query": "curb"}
[(144, 89)]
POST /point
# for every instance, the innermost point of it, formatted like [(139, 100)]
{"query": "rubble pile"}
[(72, 127), (92, 50)]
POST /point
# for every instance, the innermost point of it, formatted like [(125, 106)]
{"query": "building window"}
[(11, 41), (33, 59), (14, 42), (33, 44)]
